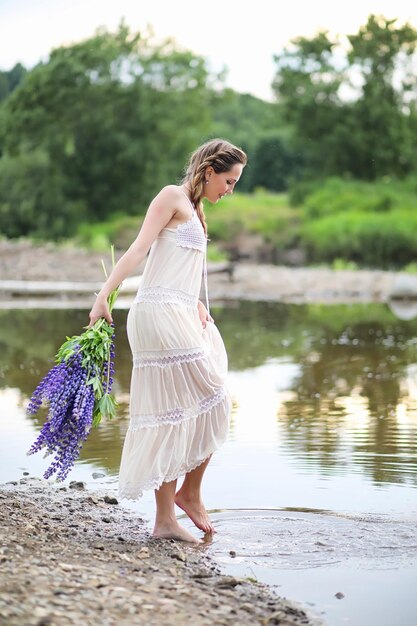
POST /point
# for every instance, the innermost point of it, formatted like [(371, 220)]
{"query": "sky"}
[(242, 36)]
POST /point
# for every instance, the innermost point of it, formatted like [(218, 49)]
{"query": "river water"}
[(315, 490)]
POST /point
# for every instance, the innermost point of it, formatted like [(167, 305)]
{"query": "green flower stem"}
[(94, 344)]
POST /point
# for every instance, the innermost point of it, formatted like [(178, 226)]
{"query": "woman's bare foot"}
[(195, 510), (173, 531)]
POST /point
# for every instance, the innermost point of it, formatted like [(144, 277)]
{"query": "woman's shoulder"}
[(171, 192), (172, 197)]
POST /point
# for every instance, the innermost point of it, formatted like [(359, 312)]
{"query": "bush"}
[(32, 199), (120, 230), (336, 195), (371, 239), (262, 212), (299, 190)]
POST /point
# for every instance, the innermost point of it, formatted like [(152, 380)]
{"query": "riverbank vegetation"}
[(339, 222), (88, 136)]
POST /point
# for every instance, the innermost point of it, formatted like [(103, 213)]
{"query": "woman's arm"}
[(159, 213)]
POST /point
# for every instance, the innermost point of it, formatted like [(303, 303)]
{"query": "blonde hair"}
[(219, 154)]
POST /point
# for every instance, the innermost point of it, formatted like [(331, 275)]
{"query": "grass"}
[(344, 224), (411, 268), (262, 212), (338, 196), (120, 230)]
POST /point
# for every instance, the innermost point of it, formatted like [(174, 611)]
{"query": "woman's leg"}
[(188, 498), (166, 525)]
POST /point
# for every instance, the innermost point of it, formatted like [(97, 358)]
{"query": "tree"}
[(9, 80), (116, 115), (246, 121), (382, 53), (274, 164), (307, 88), (352, 113), (32, 198)]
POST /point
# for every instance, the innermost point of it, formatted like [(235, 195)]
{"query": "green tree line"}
[(352, 104), (100, 126)]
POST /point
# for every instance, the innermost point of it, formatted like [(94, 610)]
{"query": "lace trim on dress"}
[(163, 295), (167, 358), (191, 234), (178, 415)]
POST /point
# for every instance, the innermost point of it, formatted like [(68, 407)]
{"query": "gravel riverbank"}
[(25, 261), (69, 557)]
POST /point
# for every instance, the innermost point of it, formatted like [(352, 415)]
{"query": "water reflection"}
[(354, 399), (325, 417), (349, 400)]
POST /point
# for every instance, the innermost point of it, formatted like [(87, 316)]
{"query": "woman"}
[(179, 406)]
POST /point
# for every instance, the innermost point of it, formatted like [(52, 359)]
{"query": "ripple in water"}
[(298, 539)]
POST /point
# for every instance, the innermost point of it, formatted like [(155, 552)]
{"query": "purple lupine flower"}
[(52, 380), (70, 415), (77, 390)]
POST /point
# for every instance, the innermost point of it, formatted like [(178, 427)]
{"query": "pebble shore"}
[(69, 556), (25, 261)]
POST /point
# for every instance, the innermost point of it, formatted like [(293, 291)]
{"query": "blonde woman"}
[(179, 405)]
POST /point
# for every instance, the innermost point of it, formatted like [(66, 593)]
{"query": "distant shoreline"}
[(63, 270)]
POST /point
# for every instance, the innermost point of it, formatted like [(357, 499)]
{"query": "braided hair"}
[(219, 154)]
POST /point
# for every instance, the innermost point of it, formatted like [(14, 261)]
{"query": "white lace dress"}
[(179, 403)]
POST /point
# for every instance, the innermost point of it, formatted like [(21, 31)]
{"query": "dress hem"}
[(134, 493)]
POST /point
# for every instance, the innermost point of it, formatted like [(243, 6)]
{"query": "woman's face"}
[(221, 184)]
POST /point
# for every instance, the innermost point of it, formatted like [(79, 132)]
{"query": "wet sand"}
[(70, 556)]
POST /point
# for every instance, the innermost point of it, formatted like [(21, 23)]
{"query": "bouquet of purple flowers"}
[(78, 392)]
